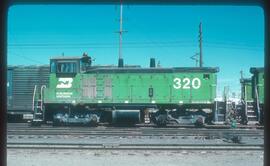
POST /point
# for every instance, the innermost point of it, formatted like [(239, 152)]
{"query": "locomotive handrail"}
[(33, 101), (41, 96), (245, 102), (257, 100)]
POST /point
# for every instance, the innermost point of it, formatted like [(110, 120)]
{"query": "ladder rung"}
[(38, 113), (37, 120), (252, 116)]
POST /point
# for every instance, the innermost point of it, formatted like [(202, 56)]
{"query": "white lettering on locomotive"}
[(195, 83), (63, 94), (186, 82), (64, 83), (177, 83)]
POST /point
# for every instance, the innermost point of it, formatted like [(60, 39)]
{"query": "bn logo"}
[(64, 83)]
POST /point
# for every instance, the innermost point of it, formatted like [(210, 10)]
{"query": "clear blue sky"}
[(233, 36)]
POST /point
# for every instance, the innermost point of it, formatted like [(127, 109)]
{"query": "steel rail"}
[(132, 134), (18, 128), (19, 125), (235, 147), (136, 131)]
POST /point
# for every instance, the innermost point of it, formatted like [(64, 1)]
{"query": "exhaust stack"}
[(152, 62), (120, 62)]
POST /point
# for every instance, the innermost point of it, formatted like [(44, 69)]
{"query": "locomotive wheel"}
[(209, 118), (199, 122), (56, 123), (94, 121), (35, 124), (161, 120), (244, 121)]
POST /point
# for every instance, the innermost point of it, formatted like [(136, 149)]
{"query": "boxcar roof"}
[(27, 67), (153, 70)]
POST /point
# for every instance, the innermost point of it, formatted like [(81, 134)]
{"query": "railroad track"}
[(132, 138), (219, 126), (114, 146), (130, 131)]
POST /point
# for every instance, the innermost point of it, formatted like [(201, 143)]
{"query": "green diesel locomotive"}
[(79, 92), (252, 96)]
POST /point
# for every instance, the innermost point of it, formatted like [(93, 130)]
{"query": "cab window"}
[(66, 67), (53, 67)]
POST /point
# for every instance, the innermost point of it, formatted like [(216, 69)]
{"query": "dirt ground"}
[(36, 157)]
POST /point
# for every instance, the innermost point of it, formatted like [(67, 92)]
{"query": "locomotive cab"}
[(61, 99), (69, 66)]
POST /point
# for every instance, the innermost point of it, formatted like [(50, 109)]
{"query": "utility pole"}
[(120, 30), (120, 58), (200, 44)]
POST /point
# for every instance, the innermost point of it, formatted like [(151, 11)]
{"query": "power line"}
[(70, 44), (109, 47), (26, 58), (157, 43), (140, 46)]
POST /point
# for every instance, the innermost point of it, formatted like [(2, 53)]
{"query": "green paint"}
[(246, 90), (168, 88)]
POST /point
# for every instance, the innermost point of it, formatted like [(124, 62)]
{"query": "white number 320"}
[(185, 83)]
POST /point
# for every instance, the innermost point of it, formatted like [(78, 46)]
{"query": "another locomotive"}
[(252, 96), (20, 84)]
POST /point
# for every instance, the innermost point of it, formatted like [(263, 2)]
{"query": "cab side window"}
[(53, 67), (66, 67)]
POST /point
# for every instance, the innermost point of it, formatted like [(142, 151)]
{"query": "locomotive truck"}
[(79, 92)]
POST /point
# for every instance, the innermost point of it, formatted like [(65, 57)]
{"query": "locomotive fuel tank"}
[(126, 116)]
